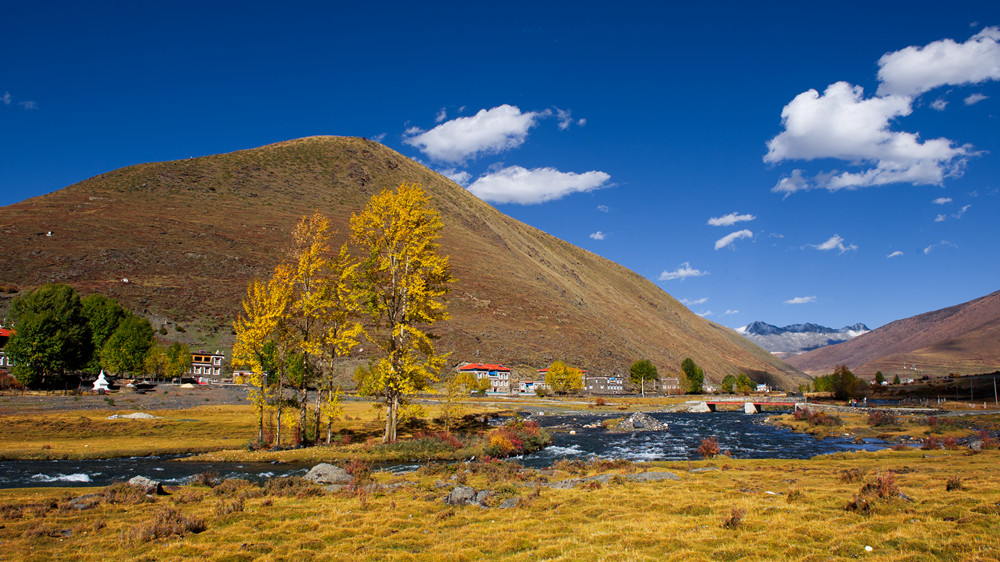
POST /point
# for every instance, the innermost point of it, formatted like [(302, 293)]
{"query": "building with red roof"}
[(498, 375), (5, 334)]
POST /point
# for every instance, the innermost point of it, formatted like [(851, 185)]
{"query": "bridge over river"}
[(753, 404)]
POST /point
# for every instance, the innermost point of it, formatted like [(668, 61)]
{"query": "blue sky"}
[(783, 163)]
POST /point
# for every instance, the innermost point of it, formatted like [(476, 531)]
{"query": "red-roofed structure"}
[(5, 334), (498, 375)]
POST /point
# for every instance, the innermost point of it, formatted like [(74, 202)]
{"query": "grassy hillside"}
[(959, 339), (188, 236)]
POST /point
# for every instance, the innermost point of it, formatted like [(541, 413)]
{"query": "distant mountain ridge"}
[(963, 339), (798, 338)]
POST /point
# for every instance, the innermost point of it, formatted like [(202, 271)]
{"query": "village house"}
[(5, 334), (528, 386), (603, 384), (204, 364), (670, 385), (498, 376)]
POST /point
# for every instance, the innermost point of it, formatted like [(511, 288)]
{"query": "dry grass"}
[(741, 511), (90, 434)]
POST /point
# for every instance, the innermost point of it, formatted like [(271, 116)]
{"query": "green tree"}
[(51, 335), (103, 315), (563, 379), (879, 377), (744, 385), (695, 376), (842, 383), (126, 349), (895, 379), (641, 371), (728, 383), (155, 362), (402, 281), (178, 360)]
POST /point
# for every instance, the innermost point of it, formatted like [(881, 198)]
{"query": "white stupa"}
[(101, 385)]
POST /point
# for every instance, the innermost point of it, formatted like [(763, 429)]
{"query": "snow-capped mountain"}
[(798, 338)]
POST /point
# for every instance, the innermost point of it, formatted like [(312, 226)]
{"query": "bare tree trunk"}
[(388, 420), (303, 413), (280, 401)]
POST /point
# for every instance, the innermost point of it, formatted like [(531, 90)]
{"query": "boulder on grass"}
[(327, 474), (148, 487)]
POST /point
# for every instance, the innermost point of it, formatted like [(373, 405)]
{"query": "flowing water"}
[(744, 436)]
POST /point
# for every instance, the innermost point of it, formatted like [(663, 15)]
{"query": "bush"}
[(600, 401), (709, 448), (165, 523), (882, 487), (361, 474), (734, 519), (817, 417), (207, 478), (931, 443), (852, 475), (953, 483), (516, 437), (292, 486), (878, 418), (124, 493)]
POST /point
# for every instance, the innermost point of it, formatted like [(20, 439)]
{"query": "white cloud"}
[(895, 254), (598, 235), (683, 272), (939, 104), (835, 242), (702, 300), (915, 70), (957, 215), (7, 98), (379, 137), (564, 118), (604, 208), (974, 99), (515, 184), (843, 124), (487, 132), (730, 312), (942, 200), (941, 244), (461, 177), (730, 219), (441, 115), (728, 239), (801, 300), (704, 313)]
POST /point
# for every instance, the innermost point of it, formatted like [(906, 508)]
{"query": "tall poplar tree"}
[(403, 281)]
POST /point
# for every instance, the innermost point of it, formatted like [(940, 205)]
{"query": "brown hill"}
[(188, 236), (959, 339)]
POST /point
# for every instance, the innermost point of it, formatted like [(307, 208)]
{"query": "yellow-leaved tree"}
[(402, 280), (342, 330), (258, 332), (563, 379)]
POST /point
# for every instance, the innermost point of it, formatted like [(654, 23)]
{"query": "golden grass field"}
[(736, 509), (934, 504)]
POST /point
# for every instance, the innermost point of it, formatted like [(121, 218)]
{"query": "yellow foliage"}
[(403, 281), (563, 379)]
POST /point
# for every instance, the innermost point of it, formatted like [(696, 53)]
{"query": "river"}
[(744, 436)]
